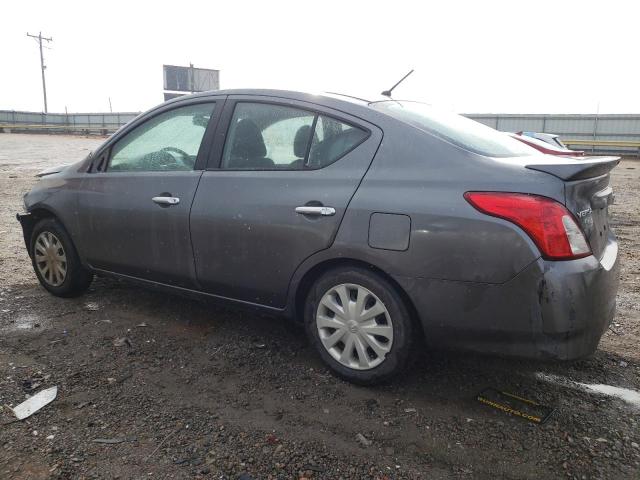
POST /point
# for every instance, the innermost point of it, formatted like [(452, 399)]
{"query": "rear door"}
[(278, 184), (134, 206)]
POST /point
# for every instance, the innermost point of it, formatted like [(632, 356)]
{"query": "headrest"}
[(301, 141), (248, 141)]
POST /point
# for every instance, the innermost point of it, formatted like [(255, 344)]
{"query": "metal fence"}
[(600, 133), (97, 123)]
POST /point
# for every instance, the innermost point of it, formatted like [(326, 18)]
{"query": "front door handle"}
[(316, 211), (166, 201)]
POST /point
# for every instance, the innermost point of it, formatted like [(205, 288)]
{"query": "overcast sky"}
[(469, 56)]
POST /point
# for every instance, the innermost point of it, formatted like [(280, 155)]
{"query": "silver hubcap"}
[(51, 259), (354, 326)]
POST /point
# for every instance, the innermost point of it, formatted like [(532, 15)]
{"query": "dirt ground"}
[(198, 391)]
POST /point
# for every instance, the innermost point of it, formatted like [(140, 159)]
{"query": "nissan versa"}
[(377, 224)]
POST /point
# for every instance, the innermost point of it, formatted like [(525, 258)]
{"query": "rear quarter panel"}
[(424, 177)]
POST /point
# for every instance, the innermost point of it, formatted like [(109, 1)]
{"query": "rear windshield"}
[(460, 131)]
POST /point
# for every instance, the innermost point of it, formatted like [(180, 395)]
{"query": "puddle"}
[(632, 397), (25, 322)]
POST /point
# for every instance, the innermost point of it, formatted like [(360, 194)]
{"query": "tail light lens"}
[(549, 224)]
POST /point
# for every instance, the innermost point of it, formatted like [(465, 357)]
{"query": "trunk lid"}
[(587, 194)]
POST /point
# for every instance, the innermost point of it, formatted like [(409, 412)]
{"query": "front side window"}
[(167, 142), (275, 137), (456, 129)]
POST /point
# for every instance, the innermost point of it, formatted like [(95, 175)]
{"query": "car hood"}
[(52, 170)]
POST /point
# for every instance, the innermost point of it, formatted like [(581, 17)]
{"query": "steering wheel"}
[(182, 153)]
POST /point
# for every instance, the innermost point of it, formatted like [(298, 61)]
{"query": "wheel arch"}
[(38, 213), (304, 285), (30, 220)]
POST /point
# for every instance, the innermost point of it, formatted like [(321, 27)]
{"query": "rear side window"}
[(456, 129), (264, 136), (267, 137), (332, 140)]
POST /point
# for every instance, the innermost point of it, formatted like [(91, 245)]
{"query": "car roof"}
[(355, 106), (324, 97)]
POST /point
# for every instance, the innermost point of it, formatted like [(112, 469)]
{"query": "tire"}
[(56, 248), (393, 347)]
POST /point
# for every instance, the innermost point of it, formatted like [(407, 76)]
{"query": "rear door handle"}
[(166, 201), (316, 211)]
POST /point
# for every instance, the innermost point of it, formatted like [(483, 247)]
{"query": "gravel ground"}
[(198, 391)]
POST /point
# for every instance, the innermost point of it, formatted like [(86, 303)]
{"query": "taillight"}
[(549, 224)]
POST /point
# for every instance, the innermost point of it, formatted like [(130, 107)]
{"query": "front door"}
[(281, 185), (135, 212)]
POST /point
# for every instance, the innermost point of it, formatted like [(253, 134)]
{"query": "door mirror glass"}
[(167, 142)]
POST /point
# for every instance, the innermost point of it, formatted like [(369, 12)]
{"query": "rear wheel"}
[(56, 261), (359, 324)]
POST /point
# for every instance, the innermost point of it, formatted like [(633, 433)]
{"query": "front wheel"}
[(359, 324), (55, 260)]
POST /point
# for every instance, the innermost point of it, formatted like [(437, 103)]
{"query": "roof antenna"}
[(387, 93)]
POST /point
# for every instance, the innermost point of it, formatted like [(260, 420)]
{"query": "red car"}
[(545, 147)]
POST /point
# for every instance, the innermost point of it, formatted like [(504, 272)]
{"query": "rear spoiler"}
[(577, 169)]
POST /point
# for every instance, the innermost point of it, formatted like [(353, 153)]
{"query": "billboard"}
[(190, 79)]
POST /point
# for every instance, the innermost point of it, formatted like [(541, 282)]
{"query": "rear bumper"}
[(556, 310)]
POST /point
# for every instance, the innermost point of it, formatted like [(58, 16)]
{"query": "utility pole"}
[(40, 38)]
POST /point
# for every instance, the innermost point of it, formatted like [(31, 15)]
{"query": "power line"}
[(40, 38)]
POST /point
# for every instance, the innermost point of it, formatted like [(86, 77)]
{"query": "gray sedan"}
[(380, 225)]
